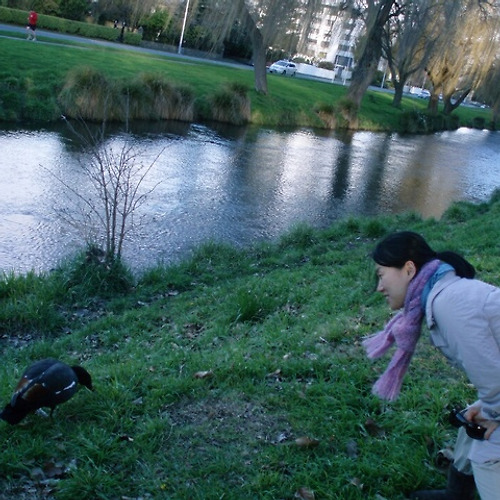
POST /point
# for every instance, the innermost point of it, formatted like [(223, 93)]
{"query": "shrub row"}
[(88, 94), (421, 122)]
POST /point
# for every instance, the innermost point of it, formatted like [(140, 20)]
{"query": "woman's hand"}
[(473, 414)]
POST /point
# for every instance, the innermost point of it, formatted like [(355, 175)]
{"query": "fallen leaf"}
[(304, 494), (306, 442), (204, 374)]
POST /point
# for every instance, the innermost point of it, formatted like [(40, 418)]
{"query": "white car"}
[(424, 94), (283, 68)]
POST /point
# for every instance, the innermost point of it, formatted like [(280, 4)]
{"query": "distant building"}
[(332, 38)]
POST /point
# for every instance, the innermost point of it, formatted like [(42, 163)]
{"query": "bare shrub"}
[(106, 211)]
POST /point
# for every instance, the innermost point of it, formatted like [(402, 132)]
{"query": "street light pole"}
[(183, 27)]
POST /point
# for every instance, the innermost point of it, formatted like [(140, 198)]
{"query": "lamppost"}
[(183, 27)]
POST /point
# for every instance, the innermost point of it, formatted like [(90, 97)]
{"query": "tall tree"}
[(265, 22), (489, 91), (408, 42), (378, 13), (465, 51)]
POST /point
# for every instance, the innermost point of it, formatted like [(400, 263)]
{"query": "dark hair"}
[(398, 248)]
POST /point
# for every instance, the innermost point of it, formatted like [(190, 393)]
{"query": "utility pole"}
[(183, 27)]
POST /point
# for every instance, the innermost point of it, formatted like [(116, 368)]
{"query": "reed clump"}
[(89, 95), (327, 113), (231, 104), (151, 96)]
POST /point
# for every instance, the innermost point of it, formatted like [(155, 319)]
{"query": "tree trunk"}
[(365, 69), (259, 62), (449, 107), (398, 93), (258, 49), (432, 107)]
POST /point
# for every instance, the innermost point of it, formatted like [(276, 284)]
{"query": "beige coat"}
[(463, 316)]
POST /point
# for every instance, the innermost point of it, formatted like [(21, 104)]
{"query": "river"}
[(236, 185)]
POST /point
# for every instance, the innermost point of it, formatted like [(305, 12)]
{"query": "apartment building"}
[(332, 38)]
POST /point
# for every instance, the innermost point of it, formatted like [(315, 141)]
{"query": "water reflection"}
[(234, 184)]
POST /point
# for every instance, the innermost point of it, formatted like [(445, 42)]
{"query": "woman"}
[(463, 315)]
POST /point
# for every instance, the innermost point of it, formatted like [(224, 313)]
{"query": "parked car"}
[(283, 68), (424, 94)]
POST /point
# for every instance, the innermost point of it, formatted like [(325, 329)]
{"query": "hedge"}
[(60, 25)]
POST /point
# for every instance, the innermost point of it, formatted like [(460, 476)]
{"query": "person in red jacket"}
[(32, 20)]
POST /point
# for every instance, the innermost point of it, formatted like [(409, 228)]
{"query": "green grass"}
[(41, 68), (208, 371)]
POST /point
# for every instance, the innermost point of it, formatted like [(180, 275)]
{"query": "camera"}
[(474, 431)]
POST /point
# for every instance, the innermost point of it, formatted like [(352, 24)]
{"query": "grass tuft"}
[(231, 104)]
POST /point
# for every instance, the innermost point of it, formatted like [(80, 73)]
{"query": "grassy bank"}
[(235, 374), (32, 76)]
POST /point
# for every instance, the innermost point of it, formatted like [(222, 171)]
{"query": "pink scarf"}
[(404, 330)]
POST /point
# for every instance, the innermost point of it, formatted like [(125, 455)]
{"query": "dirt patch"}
[(228, 420)]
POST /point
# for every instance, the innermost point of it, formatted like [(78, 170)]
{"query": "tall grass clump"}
[(336, 115), (12, 90), (27, 304), (38, 304), (231, 104), (327, 113), (152, 96), (23, 99), (347, 114), (90, 275), (88, 94)]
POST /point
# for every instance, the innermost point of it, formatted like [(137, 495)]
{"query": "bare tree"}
[(376, 14), (106, 210), (408, 42)]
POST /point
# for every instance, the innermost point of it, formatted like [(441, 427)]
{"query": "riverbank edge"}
[(413, 119)]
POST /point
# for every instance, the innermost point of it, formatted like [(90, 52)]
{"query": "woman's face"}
[(393, 283)]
